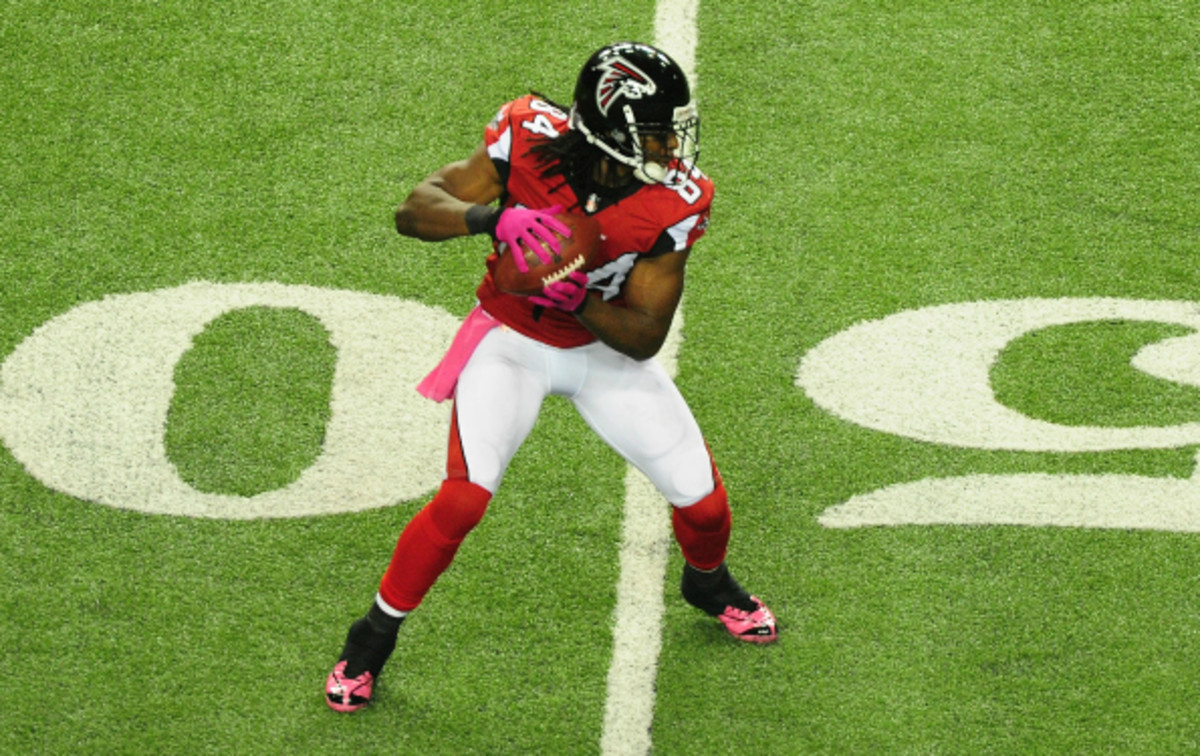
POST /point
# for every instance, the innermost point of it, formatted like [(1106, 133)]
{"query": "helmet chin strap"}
[(650, 173)]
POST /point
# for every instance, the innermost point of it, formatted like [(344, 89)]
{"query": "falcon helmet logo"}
[(620, 78)]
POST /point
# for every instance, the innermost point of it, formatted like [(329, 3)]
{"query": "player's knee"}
[(486, 469), (685, 476), (458, 507)]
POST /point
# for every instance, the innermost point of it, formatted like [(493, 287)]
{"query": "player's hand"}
[(568, 295), (533, 229)]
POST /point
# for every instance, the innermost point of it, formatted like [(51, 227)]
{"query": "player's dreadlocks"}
[(571, 157)]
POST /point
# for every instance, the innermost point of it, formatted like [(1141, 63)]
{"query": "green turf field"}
[(940, 337)]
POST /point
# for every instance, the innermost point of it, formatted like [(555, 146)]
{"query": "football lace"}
[(565, 271)]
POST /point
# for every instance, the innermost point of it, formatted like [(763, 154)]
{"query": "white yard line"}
[(637, 629), (646, 534)]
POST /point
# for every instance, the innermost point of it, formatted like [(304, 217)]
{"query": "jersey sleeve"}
[(685, 205), (498, 135), (688, 231), (680, 236), (498, 138), (517, 128)]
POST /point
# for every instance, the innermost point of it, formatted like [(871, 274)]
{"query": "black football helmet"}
[(627, 91)]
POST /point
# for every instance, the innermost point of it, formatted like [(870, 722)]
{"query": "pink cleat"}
[(757, 626), (344, 694), (717, 594)]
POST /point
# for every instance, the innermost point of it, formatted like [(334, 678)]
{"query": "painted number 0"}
[(84, 400)]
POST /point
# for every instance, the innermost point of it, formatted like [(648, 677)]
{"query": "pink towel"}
[(439, 384)]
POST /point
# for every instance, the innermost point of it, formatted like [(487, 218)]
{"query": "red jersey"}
[(670, 216)]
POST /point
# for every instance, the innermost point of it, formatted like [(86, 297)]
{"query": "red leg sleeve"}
[(702, 529), (430, 541)]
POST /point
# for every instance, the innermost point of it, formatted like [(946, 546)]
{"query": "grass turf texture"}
[(869, 158)]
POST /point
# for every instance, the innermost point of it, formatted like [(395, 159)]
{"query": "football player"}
[(625, 153)]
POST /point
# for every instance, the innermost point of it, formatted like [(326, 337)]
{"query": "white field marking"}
[(1120, 502), (646, 533), (637, 626), (84, 400), (934, 364), (925, 373)]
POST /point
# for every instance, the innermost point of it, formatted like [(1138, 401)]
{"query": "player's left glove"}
[(522, 228), (568, 295)]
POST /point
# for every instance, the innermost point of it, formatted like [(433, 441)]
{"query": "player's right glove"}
[(533, 229)]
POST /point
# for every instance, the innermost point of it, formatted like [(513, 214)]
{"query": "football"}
[(577, 251)]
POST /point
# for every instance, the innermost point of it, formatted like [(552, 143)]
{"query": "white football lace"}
[(567, 270)]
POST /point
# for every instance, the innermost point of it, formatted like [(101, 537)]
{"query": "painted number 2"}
[(924, 374)]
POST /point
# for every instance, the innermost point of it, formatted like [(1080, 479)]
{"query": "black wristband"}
[(482, 219)]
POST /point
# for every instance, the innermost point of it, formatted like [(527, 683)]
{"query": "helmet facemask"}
[(627, 146), (684, 130)]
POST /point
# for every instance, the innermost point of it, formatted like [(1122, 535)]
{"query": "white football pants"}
[(633, 405)]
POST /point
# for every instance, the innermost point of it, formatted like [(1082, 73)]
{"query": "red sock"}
[(430, 541), (702, 529)]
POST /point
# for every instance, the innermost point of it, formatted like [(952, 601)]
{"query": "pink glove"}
[(532, 228), (568, 295)]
